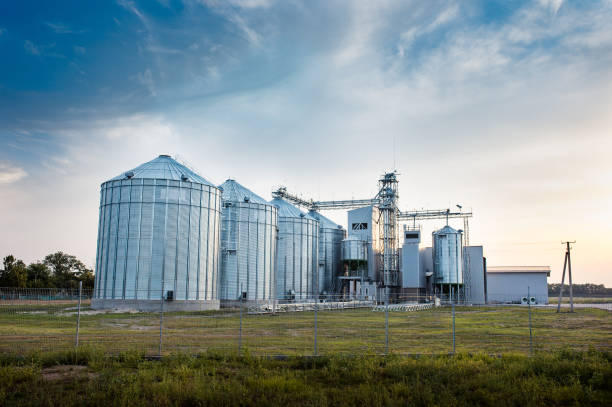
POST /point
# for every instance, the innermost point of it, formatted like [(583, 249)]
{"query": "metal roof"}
[(324, 223), (234, 192), (286, 210), (446, 230), (163, 167), (519, 269)]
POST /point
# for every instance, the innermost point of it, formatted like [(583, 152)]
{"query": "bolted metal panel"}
[(158, 235), (447, 256), (297, 253), (248, 244), (354, 249), (329, 252)]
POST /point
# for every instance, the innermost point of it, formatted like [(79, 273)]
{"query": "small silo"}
[(158, 237), (330, 264), (249, 228), (447, 261), (354, 263), (297, 252)]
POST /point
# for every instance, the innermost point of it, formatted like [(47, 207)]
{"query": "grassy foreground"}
[(492, 330), (560, 378)]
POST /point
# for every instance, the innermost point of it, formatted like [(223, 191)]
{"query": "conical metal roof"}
[(163, 167), (324, 223), (234, 192), (286, 210), (446, 230)]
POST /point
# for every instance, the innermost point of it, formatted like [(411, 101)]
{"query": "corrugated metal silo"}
[(447, 260), (354, 249), (249, 228), (297, 253), (330, 265), (158, 237)]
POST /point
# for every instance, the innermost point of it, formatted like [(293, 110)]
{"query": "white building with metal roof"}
[(510, 284)]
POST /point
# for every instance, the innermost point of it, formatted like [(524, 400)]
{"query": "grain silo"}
[(158, 237), (330, 248), (249, 227), (447, 262), (298, 236)]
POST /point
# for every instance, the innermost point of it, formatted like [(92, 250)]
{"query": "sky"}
[(504, 107)]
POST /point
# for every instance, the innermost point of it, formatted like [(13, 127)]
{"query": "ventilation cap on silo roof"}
[(247, 199), (164, 156), (129, 174), (184, 177)]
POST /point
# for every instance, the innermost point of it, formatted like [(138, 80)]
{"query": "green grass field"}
[(31, 328), (92, 379)]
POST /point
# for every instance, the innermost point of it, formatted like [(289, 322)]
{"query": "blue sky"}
[(500, 106)]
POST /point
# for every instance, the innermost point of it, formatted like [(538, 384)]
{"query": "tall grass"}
[(560, 378)]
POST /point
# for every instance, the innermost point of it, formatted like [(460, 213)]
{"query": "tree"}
[(14, 273), (39, 275), (67, 271)]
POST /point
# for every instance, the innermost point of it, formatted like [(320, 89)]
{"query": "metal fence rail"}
[(42, 320)]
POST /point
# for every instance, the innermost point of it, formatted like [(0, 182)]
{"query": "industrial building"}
[(170, 238), (517, 284)]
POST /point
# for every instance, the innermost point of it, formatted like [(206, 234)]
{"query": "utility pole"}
[(567, 264)]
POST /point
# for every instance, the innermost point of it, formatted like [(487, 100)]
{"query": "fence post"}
[(315, 326), (78, 314), (387, 326), (161, 323), (240, 331), (530, 334), (453, 307)]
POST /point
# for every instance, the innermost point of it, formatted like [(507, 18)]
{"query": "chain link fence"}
[(42, 320)]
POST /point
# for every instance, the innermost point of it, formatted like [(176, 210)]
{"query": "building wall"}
[(426, 266), (367, 216), (412, 276), (476, 289), (511, 287)]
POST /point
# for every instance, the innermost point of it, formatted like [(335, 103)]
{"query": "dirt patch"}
[(67, 373)]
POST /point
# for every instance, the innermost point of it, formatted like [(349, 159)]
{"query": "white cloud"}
[(62, 28), (552, 5), (31, 48), (146, 79), (10, 173)]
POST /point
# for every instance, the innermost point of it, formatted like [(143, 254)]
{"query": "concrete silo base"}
[(247, 303), (154, 305)]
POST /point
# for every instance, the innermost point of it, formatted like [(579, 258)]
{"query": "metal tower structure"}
[(390, 217), (387, 209)]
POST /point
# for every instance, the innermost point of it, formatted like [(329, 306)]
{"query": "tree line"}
[(56, 270), (581, 290)]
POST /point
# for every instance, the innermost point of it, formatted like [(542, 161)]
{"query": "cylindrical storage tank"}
[(447, 256), (354, 249), (158, 237), (330, 264), (249, 226), (297, 252)]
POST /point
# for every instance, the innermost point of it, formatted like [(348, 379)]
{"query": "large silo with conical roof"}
[(158, 238), (249, 226), (330, 250), (297, 252)]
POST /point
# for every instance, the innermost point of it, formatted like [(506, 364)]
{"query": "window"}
[(412, 235), (359, 226)]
